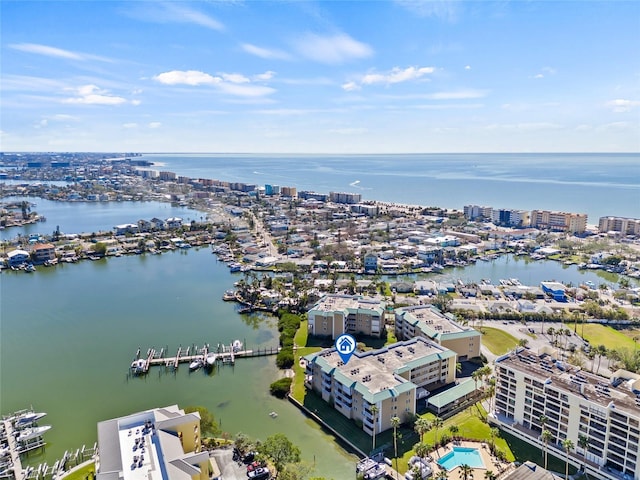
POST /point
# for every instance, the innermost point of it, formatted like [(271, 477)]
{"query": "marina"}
[(19, 435), (196, 357)]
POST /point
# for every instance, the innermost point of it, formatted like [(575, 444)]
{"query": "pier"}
[(203, 356)]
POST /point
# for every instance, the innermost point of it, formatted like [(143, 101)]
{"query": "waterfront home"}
[(390, 378), (43, 252), (556, 290), (17, 257), (173, 223)]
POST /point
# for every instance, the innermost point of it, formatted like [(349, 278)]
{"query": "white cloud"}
[(620, 105), (165, 12), (155, 125), (135, 102), (467, 67), (246, 90), (186, 77), (265, 76), (395, 75), (539, 75), (266, 53), (130, 125), (444, 9), (55, 52), (92, 95), (332, 49), (234, 78), (233, 83)]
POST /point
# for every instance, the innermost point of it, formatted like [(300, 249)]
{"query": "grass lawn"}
[(498, 341), (300, 340), (597, 334), (471, 426), (83, 473)]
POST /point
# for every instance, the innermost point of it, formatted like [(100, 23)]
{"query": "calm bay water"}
[(596, 184), (69, 334)]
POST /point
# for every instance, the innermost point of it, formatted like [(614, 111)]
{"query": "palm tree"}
[(437, 423), (546, 437), (422, 449), (494, 433), (543, 420), (568, 446), (476, 375), (453, 430), (422, 426), (395, 423), (466, 472), (583, 443), (442, 475), (374, 411), (601, 350), (489, 475)]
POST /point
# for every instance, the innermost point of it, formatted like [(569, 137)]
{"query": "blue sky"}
[(320, 77)]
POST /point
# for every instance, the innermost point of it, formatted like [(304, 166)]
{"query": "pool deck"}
[(491, 463)]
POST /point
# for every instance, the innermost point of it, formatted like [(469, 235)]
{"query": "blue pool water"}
[(461, 456)]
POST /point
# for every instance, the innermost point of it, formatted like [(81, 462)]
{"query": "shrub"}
[(280, 388), (285, 358)]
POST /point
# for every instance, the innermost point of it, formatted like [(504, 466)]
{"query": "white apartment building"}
[(510, 217), (334, 315), (391, 378), (575, 403), (626, 226), (472, 212)]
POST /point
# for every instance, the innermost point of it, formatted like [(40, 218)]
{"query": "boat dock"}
[(12, 427), (196, 357)]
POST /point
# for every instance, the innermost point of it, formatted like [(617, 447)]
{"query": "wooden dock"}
[(225, 354)]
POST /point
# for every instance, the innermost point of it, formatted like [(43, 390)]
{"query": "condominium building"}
[(159, 444), (427, 321), (43, 252), (510, 218), (391, 379), (560, 221), (471, 212), (536, 392), (626, 226), (334, 315), (342, 197)]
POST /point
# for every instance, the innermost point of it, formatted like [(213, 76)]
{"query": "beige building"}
[(392, 379), (561, 221), (626, 226), (43, 252), (427, 321), (334, 315), (159, 444), (575, 403)]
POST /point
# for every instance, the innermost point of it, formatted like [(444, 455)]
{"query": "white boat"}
[(4, 452), (137, 366), (236, 345), (211, 359), (273, 414), (31, 433), (28, 418), (195, 365)]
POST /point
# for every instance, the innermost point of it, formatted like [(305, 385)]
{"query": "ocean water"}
[(596, 184)]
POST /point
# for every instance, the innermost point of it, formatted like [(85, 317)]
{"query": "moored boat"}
[(31, 433)]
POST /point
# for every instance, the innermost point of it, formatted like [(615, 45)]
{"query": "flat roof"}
[(376, 372), (432, 322), (452, 394), (615, 392), (332, 303)]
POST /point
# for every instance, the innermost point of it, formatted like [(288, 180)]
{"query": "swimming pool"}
[(461, 456)]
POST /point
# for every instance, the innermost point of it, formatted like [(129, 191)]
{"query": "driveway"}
[(229, 469)]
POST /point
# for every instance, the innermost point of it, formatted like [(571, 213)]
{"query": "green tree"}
[(208, 424), (374, 411), (243, 443), (437, 423), (489, 475), (100, 248), (453, 430), (395, 423), (280, 450), (280, 388), (568, 446), (546, 437), (466, 472), (442, 475), (421, 427), (295, 471), (422, 449), (583, 443)]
